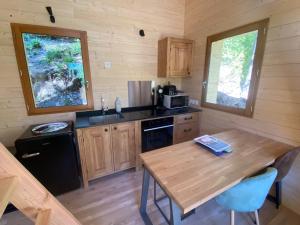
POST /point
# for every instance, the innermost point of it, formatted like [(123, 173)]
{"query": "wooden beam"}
[(7, 187), (43, 217)]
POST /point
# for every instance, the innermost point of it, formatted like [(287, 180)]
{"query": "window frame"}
[(17, 31), (262, 28)]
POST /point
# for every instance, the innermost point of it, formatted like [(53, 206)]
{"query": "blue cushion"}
[(250, 194)]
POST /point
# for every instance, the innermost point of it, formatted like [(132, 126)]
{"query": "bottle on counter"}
[(118, 105)]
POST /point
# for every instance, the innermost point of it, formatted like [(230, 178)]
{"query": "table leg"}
[(144, 198), (175, 213)]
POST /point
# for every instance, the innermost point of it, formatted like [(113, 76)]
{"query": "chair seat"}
[(250, 194)]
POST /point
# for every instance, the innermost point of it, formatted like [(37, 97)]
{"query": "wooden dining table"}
[(190, 175)]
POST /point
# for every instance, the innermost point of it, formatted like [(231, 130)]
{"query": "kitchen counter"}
[(96, 118)]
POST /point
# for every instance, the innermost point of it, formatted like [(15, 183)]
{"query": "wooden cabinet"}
[(187, 118), (98, 155), (186, 127), (174, 57), (106, 149), (110, 148), (123, 145)]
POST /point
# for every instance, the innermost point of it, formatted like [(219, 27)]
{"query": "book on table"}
[(215, 145)]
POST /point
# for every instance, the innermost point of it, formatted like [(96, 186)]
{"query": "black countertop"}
[(96, 118)]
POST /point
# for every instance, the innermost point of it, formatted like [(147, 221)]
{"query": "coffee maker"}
[(169, 90), (159, 97)]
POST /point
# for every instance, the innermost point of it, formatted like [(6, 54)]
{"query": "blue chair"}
[(249, 195)]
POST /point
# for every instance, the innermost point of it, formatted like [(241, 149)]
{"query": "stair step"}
[(7, 187), (43, 217)]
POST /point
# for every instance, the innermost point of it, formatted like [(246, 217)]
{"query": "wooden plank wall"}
[(277, 110), (112, 28)]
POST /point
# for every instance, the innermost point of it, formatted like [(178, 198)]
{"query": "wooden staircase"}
[(19, 187)]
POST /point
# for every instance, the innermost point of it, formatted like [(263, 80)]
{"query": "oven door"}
[(157, 137)]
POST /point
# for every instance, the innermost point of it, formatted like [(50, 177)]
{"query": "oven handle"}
[(26, 155), (157, 128)]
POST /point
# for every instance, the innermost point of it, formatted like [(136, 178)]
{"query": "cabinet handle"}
[(188, 118), (26, 155), (105, 129), (187, 130), (46, 143), (115, 128)]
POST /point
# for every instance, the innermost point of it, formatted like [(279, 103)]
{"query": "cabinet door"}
[(98, 151), (186, 127), (180, 58), (123, 145), (185, 132)]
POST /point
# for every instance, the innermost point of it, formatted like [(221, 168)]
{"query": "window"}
[(54, 68), (232, 68)]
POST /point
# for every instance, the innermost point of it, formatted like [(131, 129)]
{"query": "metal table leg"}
[(144, 198), (175, 214), (157, 200), (175, 210)]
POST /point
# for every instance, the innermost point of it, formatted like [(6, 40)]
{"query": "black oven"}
[(157, 133)]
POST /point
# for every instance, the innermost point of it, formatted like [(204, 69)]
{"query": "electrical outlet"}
[(107, 65), (193, 102)]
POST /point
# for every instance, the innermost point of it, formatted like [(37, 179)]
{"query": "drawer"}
[(186, 118), (185, 132)]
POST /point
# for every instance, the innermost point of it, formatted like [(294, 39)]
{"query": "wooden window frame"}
[(262, 27), (17, 30)]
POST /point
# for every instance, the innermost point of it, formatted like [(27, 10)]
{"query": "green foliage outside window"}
[(238, 51)]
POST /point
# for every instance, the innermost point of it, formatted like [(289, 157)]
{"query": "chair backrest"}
[(250, 194), (284, 163)]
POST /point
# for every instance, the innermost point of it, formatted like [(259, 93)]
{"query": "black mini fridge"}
[(52, 158)]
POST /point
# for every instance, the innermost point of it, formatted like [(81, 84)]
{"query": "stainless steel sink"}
[(105, 118)]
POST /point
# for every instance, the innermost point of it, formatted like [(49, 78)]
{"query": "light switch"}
[(107, 65)]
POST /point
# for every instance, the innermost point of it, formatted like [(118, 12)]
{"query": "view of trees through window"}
[(230, 70)]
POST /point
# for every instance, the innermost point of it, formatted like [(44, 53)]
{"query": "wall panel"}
[(112, 28), (277, 110)]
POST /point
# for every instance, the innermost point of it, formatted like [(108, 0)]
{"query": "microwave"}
[(176, 101)]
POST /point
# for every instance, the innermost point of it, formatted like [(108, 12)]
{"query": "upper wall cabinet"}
[(175, 57)]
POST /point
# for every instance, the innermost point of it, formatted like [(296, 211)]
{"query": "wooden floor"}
[(114, 200)]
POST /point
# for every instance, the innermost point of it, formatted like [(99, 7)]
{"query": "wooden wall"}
[(277, 110), (112, 27)]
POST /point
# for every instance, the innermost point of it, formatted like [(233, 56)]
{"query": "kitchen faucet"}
[(103, 108)]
